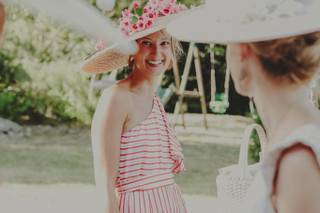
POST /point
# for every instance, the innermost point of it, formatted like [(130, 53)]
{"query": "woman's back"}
[(261, 195)]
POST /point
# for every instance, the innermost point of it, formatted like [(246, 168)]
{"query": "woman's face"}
[(155, 53)]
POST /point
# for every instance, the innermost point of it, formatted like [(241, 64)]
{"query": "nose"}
[(156, 49)]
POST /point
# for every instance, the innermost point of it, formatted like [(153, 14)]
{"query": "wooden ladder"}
[(193, 53)]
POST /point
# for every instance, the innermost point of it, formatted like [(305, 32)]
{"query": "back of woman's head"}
[(295, 59)]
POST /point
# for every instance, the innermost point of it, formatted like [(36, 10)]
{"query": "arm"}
[(106, 132), (297, 185)]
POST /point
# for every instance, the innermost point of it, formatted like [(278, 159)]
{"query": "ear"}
[(245, 51), (245, 78), (131, 61)]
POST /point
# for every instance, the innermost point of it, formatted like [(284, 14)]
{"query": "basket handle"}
[(243, 157)]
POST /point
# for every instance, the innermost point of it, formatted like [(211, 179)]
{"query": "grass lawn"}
[(50, 157), (202, 163)]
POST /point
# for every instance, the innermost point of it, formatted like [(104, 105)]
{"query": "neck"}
[(142, 84), (283, 110)]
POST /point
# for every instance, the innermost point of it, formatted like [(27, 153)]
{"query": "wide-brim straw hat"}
[(110, 58), (229, 21)]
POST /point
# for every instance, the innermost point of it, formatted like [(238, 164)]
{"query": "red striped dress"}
[(150, 155)]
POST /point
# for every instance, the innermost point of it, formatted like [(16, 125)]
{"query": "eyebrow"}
[(161, 39)]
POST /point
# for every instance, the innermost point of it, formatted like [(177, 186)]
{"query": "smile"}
[(154, 62)]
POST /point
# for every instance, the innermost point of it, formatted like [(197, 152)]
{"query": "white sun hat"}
[(235, 21), (107, 59)]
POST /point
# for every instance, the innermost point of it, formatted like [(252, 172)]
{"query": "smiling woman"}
[(136, 153), (156, 52)]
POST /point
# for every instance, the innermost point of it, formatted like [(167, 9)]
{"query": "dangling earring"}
[(131, 62)]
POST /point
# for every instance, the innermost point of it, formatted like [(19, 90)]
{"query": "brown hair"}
[(294, 58)]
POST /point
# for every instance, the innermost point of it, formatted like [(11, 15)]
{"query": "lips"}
[(155, 62)]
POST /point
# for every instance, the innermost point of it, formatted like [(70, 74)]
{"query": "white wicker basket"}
[(234, 181)]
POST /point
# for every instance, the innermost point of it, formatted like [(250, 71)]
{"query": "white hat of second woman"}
[(235, 21)]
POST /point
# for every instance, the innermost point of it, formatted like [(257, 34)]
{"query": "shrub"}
[(40, 80)]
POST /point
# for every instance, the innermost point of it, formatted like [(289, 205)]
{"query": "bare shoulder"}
[(298, 158), (298, 177), (117, 95), (113, 104)]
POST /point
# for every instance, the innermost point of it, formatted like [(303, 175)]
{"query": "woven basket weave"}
[(234, 181)]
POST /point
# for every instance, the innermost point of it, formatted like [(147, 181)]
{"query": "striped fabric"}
[(165, 199), (149, 157)]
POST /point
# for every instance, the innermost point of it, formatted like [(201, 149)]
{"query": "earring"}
[(131, 62)]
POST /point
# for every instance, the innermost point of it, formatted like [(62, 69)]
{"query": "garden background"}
[(50, 104)]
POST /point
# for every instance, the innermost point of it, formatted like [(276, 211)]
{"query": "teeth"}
[(154, 62)]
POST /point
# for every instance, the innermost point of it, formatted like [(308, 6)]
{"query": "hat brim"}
[(110, 58), (105, 61), (204, 26)]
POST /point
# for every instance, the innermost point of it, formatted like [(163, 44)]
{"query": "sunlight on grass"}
[(53, 159)]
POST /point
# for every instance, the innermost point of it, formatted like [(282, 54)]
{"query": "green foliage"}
[(11, 72), (255, 147), (23, 106), (18, 102), (36, 39), (40, 79)]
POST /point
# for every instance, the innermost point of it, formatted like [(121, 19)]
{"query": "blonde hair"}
[(295, 58)]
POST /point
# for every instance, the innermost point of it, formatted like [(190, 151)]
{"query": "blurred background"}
[(46, 106)]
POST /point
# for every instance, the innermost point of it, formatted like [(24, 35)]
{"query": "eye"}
[(165, 43), (146, 43)]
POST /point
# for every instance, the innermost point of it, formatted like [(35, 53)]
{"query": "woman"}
[(135, 150), (279, 86), (274, 53)]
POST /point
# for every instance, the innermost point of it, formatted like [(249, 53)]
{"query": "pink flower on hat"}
[(149, 23), (135, 5), (134, 27), (146, 10), (167, 10), (126, 13), (152, 16), (142, 16), (154, 3), (141, 25)]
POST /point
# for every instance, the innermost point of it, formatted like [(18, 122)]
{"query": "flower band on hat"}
[(141, 16)]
